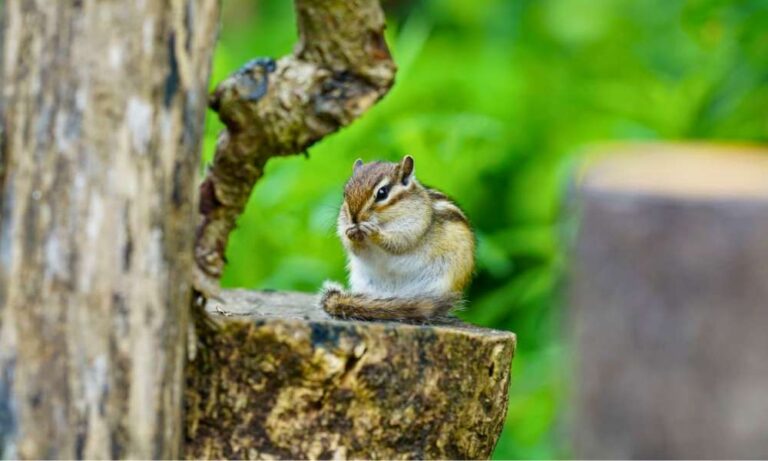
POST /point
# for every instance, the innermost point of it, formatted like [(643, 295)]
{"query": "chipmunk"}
[(410, 248)]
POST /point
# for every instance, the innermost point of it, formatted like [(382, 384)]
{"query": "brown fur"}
[(445, 238), (360, 186), (393, 200), (435, 194), (342, 304), (448, 211), (451, 214)]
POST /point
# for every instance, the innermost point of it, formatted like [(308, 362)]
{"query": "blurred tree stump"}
[(669, 298), (282, 380)]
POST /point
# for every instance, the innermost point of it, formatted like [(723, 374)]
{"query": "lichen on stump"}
[(280, 379)]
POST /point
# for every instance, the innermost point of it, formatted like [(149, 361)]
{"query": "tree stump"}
[(669, 298), (280, 379)]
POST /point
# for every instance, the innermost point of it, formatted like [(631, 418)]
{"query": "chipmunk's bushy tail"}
[(342, 304)]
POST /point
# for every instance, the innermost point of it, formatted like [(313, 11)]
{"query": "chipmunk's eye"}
[(382, 193)]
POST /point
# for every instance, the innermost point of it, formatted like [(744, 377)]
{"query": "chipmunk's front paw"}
[(354, 234), (369, 229)]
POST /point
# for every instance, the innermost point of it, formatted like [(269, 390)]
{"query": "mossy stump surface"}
[(283, 380)]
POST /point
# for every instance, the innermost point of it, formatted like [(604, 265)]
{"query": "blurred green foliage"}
[(493, 99)]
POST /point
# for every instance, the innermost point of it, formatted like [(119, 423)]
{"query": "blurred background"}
[(496, 99)]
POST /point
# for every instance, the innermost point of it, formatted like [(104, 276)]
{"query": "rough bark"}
[(102, 113), (340, 68), (668, 304), (282, 380)]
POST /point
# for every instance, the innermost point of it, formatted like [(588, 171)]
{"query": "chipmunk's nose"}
[(361, 216)]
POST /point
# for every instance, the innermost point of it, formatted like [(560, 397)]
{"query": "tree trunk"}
[(103, 107)]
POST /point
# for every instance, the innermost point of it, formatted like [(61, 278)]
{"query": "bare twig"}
[(340, 68)]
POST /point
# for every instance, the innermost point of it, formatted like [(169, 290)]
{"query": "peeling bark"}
[(102, 113), (339, 69)]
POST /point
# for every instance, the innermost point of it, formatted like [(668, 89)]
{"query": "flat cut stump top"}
[(281, 379), (683, 172)]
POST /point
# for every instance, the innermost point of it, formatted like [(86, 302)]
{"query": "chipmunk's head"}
[(382, 194)]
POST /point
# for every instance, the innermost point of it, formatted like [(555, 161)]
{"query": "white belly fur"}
[(376, 272)]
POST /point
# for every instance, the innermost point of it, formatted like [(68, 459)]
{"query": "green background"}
[(496, 99)]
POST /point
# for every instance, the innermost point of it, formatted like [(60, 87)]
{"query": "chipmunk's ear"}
[(357, 165), (406, 169)]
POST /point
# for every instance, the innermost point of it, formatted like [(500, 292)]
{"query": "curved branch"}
[(339, 69)]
